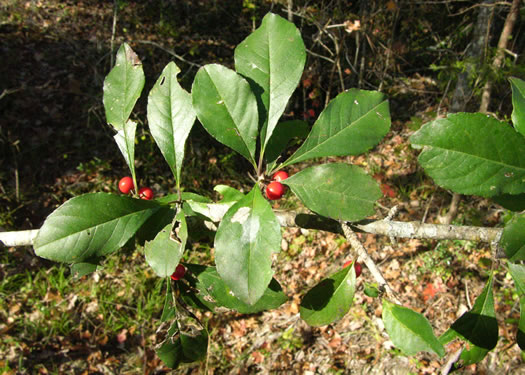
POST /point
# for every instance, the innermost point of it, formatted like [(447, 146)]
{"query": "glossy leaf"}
[(227, 108), (125, 139), (170, 117), (352, 123), (273, 58), (513, 238), (410, 331), (283, 133), (91, 225), (517, 271), (214, 292), (478, 326), (330, 299), (122, 87), (472, 153), (228, 193), (339, 191), (518, 104), (246, 238), (163, 254)]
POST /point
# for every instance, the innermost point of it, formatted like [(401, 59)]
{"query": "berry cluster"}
[(125, 185), (275, 190)]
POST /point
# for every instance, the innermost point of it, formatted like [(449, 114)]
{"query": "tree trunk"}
[(474, 56), (500, 53)]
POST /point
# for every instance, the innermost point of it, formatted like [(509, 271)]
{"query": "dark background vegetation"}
[(55, 144)]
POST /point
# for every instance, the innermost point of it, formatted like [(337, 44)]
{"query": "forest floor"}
[(55, 145)]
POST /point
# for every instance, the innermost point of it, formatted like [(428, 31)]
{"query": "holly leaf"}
[(273, 58), (410, 331), (122, 87), (339, 191), (352, 123), (478, 326), (91, 225), (170, 117), (513, 238), (517, 271), (163, 254), (214, 292), (227, 108), (518, 104), (330, 299), (472, 153), (246, 238), (283, 133), (125, 139)]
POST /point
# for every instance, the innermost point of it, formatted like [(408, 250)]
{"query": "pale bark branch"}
[(353, 240), (400, 229)]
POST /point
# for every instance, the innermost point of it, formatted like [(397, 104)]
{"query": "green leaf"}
[(122, 87), (513, 238), (371, 290), (283, 133), (214, 292), (520, 337), (330, 299), (352, 123), (228, 193), (478, 326), (163, 254), (125, 139), (472, 153), (339, 191), (91, 225), (84, 268), (473, 355), (273, 58), (155, 223), (512, 202), (169, 311), (227, 108), (170, 117), (410, 331), (246, 238), (518, 104), (517, 271)]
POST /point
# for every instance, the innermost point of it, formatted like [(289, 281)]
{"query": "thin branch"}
[(169, 51), (412, 229), (351, 237)]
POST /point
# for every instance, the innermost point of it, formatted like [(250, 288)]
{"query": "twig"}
[(450, 362), (351, 237), (169, 51), (113, 31)]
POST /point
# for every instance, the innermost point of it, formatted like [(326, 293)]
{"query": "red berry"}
[(146, 193), (279, 176), (125, 184), (274, 190), (179, 272), (357, 266)]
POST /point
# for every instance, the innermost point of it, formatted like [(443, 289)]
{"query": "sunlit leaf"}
[(91, 225), (170, 117), (273, 58), (339, 191), (330, 299), (472, 153), (410, 331), (246, 238), (352, 123), (122, 87)]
